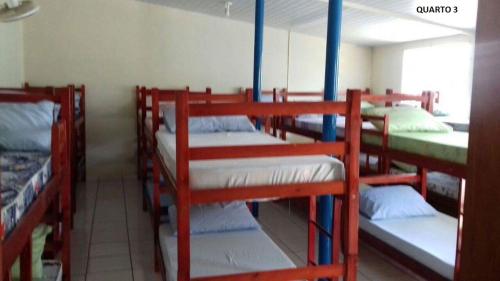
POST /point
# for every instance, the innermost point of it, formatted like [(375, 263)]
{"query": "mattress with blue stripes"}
[(23, 176)]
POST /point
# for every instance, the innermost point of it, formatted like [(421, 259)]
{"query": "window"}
[(446, 68)]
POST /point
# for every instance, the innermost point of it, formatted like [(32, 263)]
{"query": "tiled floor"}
[(112, 238)]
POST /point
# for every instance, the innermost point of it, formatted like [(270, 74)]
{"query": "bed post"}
[(155, 110), (144, 149), (430, 105), (351, 204), (66, 190), (422, 172), (458, 256), (72, 144), (182, 182), (138, 129), (389, 92), (83, 93), (386, 162), (275, 119)]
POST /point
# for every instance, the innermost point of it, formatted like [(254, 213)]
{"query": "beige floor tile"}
[(146, 275), (79, 266), (78, 278), (111, 276), (109, 249), (110, 263), (142, 247), (109, 235)]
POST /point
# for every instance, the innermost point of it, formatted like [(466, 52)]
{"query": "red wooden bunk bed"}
[(408, 259), (78, 136), (143, 109), (423, 162), (52, 205), (146, 137), (185, 196)]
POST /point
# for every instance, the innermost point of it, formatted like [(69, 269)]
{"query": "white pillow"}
[(214, 218), (393, 202)]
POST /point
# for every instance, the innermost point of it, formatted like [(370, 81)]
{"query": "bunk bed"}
[(78, 138), (203, 169), (426, 241), (443, 191), (444, 153), (146, 137), (143, 118), (36, 186)]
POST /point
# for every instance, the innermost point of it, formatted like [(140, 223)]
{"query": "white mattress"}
[(315, 123), (432, 241), (224, 253), (251, 171)]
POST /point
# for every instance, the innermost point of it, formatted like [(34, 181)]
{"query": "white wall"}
[(113, 45), (307, 64), (11, 55), (387, 65)]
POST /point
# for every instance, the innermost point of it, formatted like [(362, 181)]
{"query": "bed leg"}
[(156, 210), (144, 171), (26, 259), (255, 209), (311, 247), (337, 227)]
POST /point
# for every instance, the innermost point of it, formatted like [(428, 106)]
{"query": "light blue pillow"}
[(214, 218), (36, 139), (394, 202), (16, 116), (236, 124), (209, 124)]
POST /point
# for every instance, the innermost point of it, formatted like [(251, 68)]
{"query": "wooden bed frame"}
[(52, 205), (427, 100), (146, 138), (141, 96), (77, 138), (425, 163), (78, 135), (420, 183), (347, 190)]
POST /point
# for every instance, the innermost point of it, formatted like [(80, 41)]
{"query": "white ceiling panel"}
[(366, 22)]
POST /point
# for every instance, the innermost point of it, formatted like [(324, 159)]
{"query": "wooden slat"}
[(390, 179), (393, 98), (434, 164), (307, 273), (9, 97), (263, 109), (268, 191), (272, 150)]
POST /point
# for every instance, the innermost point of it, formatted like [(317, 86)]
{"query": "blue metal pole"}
[(329, 127), (257, 51), (257, 66)]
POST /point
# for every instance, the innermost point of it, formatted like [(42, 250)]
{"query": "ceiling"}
[(365, 22)]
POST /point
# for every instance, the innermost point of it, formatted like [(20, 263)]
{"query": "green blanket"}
[(450, 146)]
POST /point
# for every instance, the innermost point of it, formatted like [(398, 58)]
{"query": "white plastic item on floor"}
[(432, 241), (52, 271), (224, 253), (249, 171)]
